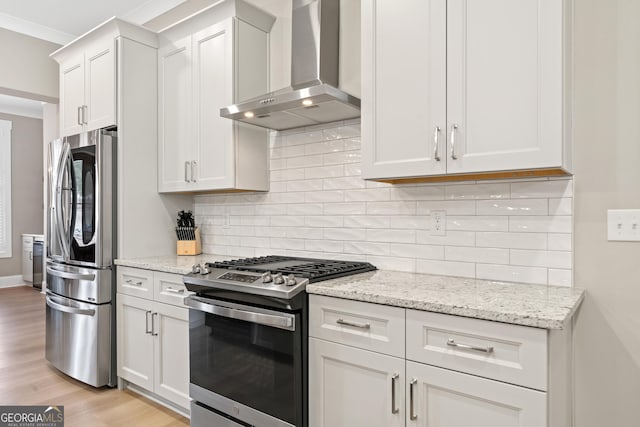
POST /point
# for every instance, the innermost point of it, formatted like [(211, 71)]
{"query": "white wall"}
[(27, 71), (607, 176), (318, 206)]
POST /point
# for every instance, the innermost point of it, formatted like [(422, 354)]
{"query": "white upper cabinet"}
[(483, 90), (88, 69), (209, 61)]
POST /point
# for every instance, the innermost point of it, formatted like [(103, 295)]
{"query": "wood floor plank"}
[(26, 378)]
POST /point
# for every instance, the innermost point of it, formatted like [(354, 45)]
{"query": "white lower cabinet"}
[(354, 387), (452, 372), (439, 397), (153, 336)]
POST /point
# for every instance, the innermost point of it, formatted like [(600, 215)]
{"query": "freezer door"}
[(78, 340), (85, 284)]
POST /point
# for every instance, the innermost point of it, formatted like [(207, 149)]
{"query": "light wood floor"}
[(26, 378)]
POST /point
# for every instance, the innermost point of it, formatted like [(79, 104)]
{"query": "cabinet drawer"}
[(509, 353), (135, 282), (168, 288), (369, 326)]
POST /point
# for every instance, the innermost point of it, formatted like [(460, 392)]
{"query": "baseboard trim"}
[(11, 281)]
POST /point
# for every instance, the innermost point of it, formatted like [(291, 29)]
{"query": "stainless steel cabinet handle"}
[(355, 325), (84, 114), (412, 414), (146, 320), (193, 171), (454, 128), (394, 378), (79, 113), (436, 143), (175, 291), (153, 324), (452, 343), (186, 171), (132, 283)]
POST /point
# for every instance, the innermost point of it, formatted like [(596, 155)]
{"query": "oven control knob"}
[(278, 279), (291, 280), (195, 268), (267, 277)]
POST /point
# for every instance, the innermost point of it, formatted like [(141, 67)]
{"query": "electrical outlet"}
[(623, 225), (438, 223), (227, 220)]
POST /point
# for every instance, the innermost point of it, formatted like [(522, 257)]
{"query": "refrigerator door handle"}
[(67, 309), (64, 157), (68, 275)]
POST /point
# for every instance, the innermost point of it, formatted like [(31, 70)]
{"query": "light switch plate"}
[(623, 225)]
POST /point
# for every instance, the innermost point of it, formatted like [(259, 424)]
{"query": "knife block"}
[(190, 247)]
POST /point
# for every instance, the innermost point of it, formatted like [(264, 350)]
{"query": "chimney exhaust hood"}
[(313, 97)]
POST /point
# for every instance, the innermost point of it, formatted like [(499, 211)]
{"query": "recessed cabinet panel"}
[(504, 84), (174, 109), (100, 85), (404, 104), (135, 341), (213, 87), (443, 398), (71, 95)]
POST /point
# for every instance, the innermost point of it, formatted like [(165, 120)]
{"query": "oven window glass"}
[(249, 363), (83, 177)]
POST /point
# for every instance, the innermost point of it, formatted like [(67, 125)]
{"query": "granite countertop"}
[(540, 306), (178, 264)]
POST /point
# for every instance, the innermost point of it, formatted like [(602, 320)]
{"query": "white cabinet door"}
[(175, 152), (135, 340), (404, 88), (27, 264), (171, 360), (352, 387), (71, 95), (444, 398), (213, 89), (504, 84), (100, 84)]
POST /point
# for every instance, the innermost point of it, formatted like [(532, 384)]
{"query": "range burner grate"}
[(315, 270)]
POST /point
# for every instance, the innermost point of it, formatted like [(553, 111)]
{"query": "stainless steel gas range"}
[(248, 339)]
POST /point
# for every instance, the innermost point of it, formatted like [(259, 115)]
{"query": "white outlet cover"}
[(623, 225), (438, 223)]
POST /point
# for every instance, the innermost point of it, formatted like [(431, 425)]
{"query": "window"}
[(5, 189)]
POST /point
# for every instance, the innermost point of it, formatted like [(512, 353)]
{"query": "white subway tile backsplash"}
[(477, 223), (510, 273), (477, 191), (540, 189), (550, 259), (511, 240), (416, 251), (513, 207), (318, 206), (446, 268), (461, 207)]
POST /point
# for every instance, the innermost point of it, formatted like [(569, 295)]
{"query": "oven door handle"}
[(282, 321)]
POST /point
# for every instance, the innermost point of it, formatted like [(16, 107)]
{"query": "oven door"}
[(246, 361)]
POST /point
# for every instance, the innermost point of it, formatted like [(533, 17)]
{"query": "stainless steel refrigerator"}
[(80, 310)]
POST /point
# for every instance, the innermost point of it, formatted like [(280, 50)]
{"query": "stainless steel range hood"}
[(313, 97)]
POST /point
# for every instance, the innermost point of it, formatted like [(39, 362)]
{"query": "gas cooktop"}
[(277, 276)]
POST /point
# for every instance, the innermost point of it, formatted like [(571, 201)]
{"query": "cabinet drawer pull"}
[(146, 319), (175, 291), (412, 414), (153, 324), (394, 378), (436, 143), (454, 128), (132, 283), (355, 325), (451, 343)]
